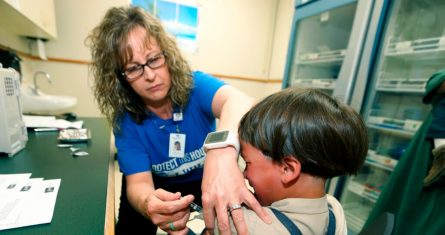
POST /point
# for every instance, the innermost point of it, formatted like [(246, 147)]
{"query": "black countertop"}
[(82, 198)]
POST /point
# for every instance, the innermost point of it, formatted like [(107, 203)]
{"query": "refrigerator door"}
[(409, 50), (325, 45), (299, 3)]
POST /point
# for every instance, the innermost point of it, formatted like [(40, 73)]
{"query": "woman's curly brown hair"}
[(111, 52)]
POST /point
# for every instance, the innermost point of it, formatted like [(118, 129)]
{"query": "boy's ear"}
[(290, 169)]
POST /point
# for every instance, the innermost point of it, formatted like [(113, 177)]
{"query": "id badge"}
[(177, 117), (176, 145)]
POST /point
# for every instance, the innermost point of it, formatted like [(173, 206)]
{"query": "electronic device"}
[(221, 139), (13, 135)]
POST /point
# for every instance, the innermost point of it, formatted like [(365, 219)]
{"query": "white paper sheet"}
[(32, 121), (30, 202), (9, 183)]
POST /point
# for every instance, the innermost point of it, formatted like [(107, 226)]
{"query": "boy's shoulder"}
[(305, 213), (256, 226)]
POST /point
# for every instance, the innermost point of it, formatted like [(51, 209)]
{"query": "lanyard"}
[(178, 117)]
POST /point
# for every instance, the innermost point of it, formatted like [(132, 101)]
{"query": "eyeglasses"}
[(135, 72)]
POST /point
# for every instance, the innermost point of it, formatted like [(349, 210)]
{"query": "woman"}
[(148, 92)]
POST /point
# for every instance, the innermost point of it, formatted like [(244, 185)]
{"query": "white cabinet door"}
[(34, 18)]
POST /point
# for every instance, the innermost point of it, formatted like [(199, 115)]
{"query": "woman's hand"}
[(223, 185), (169, 211)]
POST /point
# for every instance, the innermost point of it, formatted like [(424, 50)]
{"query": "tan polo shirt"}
[(310, 216)]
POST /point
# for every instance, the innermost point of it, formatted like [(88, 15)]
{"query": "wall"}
[(282, 28), (75, 19), (12, 41), (235, 37), (244, 39)]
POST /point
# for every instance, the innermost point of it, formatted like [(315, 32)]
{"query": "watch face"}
[(217, 137)]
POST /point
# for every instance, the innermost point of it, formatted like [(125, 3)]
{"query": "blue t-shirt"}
[(145, 147)]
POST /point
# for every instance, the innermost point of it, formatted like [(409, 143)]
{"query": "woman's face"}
[(154, 84)]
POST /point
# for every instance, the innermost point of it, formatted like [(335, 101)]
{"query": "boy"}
[(292, 142)]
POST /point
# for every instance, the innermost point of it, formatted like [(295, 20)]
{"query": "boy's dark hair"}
[(327, 137)]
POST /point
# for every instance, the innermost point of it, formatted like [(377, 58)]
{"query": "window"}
[(179, 18)]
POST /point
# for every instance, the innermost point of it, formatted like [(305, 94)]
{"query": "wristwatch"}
[(221, 139)]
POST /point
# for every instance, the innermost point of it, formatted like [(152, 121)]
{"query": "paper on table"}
[(50, 121), (12, 204), (10, 182), (40, 208), (32, 204)]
